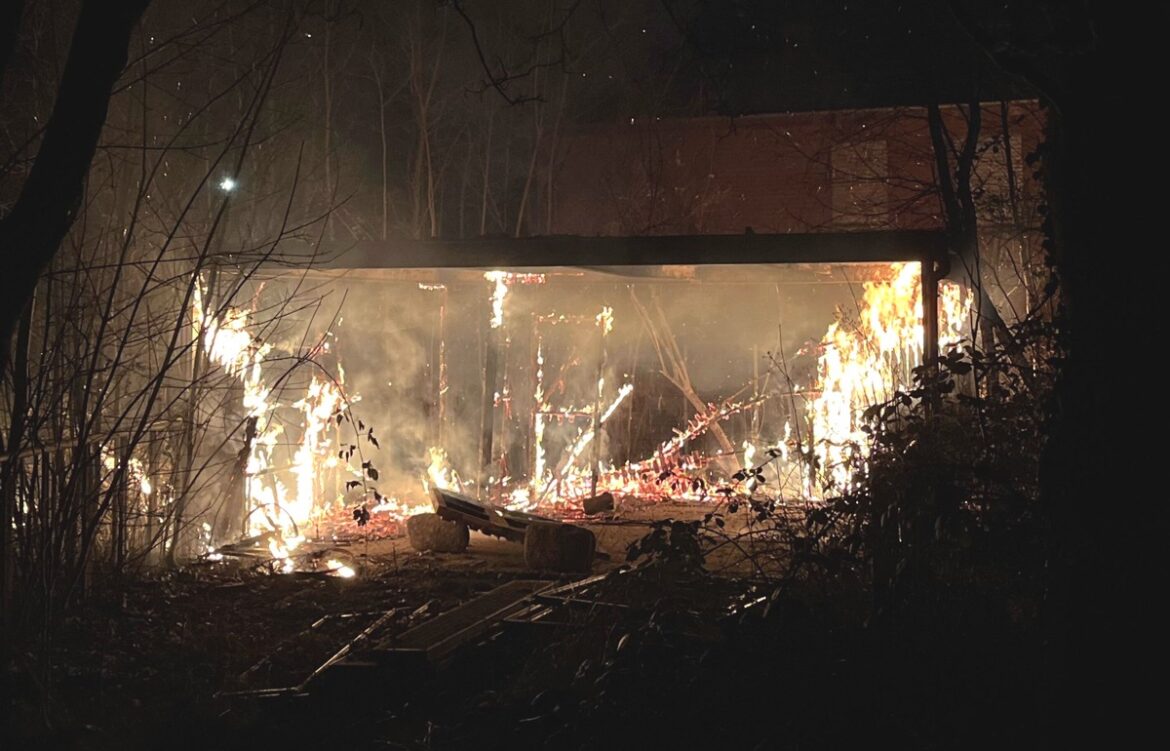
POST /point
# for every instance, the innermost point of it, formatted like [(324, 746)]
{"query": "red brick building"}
[(784, 173)]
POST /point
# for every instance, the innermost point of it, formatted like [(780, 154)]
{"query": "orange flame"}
[(863, 362), (272, 508)]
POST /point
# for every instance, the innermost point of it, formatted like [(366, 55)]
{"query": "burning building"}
[(652, 344)]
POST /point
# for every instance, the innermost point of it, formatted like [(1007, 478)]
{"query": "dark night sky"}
[(756, 56)]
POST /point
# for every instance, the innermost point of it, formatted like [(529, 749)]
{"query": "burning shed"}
[(535, 373), (706, 296), (627, 338)]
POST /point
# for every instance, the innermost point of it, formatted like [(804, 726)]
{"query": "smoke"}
[(385, 336)]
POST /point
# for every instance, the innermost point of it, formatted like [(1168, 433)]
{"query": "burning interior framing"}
[(481, 367)]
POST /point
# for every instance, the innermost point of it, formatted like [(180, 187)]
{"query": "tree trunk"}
[(33, 231)]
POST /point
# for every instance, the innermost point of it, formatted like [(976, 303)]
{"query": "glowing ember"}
[(339, 569), (135, 470)]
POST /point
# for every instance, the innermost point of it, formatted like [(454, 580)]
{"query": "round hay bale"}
[(559, 547), (433, 532)]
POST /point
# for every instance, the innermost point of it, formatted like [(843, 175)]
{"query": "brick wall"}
[(801, 172)]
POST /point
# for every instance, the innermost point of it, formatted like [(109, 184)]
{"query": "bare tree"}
[(33, 230), (117, 427)]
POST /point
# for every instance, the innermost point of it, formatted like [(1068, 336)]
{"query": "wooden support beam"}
[(561, 250), (488, 414), (929, 280)]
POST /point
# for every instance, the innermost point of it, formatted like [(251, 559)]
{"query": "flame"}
[(440, 474), (864, 362), (228, 343), (862, 359), (572, 481), (273, 508), (538, 422), (499, 280), (775, 453), (319, 407), (749, 454), (605, 319), (398, 509), (135, 470), (623, 392), (281, 548), (641, 479), (339, 569)]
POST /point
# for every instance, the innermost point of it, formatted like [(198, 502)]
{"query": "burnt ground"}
[(144, 664), (168, 663), (147, 660)]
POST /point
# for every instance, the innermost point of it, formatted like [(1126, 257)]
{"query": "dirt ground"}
[(145, 652), (176, 661), (614, 535)]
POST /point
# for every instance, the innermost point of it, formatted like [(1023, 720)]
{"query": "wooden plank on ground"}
[(437, 639)]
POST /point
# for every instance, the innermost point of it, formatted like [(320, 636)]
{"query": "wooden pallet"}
[(436, 641), (421, 651), (484, 517)]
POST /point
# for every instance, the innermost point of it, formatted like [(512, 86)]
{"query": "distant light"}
[(227, 185)]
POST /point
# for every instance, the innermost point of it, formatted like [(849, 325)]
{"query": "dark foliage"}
[(949, 502)]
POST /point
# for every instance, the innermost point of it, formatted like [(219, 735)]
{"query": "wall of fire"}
[(505, 372)]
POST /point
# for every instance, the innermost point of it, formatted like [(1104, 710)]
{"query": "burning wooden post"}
[(604, 325), (487, 419), (490, 369), (538, 405), (441, 370), (441, 419), (438, 371)]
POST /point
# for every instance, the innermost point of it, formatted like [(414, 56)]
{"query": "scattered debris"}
[(349, 646), (434, 642)]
